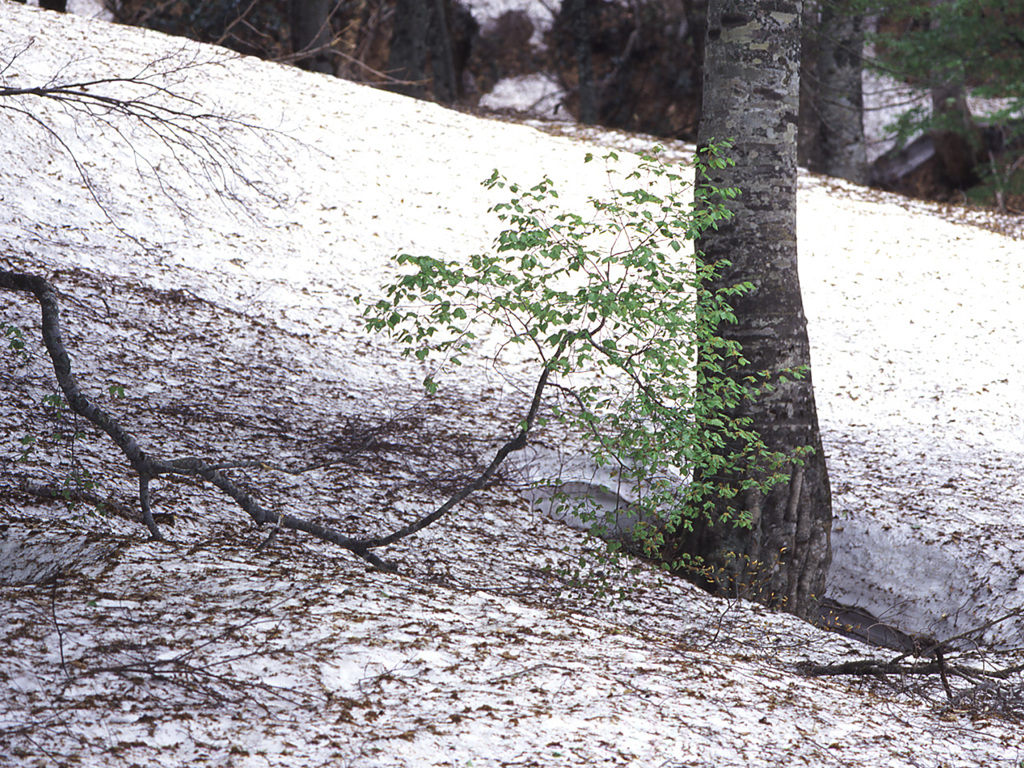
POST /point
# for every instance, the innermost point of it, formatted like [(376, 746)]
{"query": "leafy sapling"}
[(15, 342), (613, 308)]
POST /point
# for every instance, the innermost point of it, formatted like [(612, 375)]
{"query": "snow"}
[(538, 94), (487, 13), (232, 328)]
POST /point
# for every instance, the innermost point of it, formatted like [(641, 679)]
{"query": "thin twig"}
[(56, 624)]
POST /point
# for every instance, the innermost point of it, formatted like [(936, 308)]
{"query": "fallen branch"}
[(872, 668), (149, 466), (941, 660)]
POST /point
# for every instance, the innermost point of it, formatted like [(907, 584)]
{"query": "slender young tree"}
[(751, 84)]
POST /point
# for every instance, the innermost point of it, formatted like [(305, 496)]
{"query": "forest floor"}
[(223, 305)]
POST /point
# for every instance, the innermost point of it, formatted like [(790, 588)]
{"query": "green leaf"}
[(620, 314)]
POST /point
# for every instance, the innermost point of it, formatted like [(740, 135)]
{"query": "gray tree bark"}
[(311, 31), (839, 148), (751, 84)]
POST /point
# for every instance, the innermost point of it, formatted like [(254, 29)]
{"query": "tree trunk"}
[(422, 37), (839, 148), (954, 135), (751, 83), (311, 31), (407, 59), (579, 23), (442, 62), (809, 41)]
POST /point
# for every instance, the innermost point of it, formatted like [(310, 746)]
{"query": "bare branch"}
[(148, 466), (943, 661), (192, 137), (517, 443)]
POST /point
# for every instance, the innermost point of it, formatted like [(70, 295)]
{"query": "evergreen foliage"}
[(979, 43), (954, 48)]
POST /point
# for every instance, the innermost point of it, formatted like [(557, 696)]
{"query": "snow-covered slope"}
[(232, 327)]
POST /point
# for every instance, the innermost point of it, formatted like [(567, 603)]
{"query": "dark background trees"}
[(311, 34), (644, 58), (51, 5), (421, 58), (638, 66), (644, 62)]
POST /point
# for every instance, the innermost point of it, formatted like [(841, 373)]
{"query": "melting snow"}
[(235, 335)]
